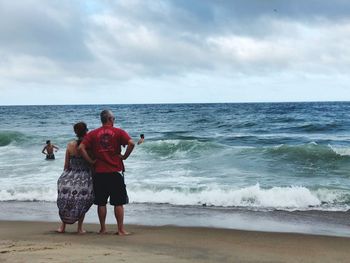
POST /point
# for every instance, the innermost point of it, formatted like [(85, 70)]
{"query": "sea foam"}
[(255, 197), (287, 198)]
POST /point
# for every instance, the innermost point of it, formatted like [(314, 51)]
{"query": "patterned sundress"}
[(75, 190)]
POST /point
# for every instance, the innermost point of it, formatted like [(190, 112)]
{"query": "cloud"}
[(52, 29), (309, 48), (289, 45), (155, 45)]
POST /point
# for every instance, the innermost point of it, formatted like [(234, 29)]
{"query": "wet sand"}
[(38, 242)]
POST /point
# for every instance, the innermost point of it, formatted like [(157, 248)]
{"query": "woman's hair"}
[(80, 130)]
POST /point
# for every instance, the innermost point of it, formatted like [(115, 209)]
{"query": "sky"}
[(173, 51)]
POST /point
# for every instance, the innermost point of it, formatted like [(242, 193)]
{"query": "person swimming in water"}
[(48, 150), (142, 138)]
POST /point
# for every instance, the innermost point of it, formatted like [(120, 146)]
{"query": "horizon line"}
[(176, 103)]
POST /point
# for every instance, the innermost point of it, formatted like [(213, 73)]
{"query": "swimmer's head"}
[(142, 136), (48, 142)]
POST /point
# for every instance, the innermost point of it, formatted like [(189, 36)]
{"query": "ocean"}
[(255, 166)]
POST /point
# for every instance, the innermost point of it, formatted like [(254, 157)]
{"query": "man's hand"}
[(85, 155), (129, 149)]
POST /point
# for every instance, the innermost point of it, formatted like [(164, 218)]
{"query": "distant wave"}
[(246, 124), (310, 151), (318, 127), (8, 137), (317, 155), (178, 148), (342, 151)]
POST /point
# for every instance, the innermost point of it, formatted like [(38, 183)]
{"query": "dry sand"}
[(38, 242)]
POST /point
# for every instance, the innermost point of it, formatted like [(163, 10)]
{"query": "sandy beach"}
[(38, 242)]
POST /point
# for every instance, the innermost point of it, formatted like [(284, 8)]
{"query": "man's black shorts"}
[(110, 185), (50, 156)]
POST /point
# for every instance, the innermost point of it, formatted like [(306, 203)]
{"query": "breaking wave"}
[(174, 148), (310, 151), (255, 197), (284, 198), (8, 137)]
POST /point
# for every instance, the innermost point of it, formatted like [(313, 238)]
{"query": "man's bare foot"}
[(60, 230), (102, 231), (81, 231), (123, 233)]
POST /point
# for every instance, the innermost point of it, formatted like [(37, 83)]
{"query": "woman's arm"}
[(84, 153), (66, 159)]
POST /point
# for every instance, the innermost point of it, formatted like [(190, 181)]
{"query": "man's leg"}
[(119, 215), (102, 213), (101, 182)]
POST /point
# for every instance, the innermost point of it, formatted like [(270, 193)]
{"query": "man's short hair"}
[(48, 141), (105, 115)]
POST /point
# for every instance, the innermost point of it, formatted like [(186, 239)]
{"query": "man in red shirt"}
[(105, 144)]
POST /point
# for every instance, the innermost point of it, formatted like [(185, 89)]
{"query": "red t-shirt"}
[(105, 144)]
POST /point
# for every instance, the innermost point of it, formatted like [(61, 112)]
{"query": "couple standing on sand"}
[(93, 172)]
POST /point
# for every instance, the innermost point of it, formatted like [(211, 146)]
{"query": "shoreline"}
[(303, 222), (38, 242)]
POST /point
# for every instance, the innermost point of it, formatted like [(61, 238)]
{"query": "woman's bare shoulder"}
[(71, 146)]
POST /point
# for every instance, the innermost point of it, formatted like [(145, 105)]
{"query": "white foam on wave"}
[(287, 198), (10, 150), (284, 198), (343, 151), (29, 194)]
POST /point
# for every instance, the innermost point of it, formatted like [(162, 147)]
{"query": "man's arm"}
[(43, 151), (82, 149), (55, 147), (128, 151)]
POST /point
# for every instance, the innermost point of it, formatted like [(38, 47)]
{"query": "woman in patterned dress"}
[(75, 189)]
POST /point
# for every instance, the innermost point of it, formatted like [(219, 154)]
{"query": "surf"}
[(11, 137)]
